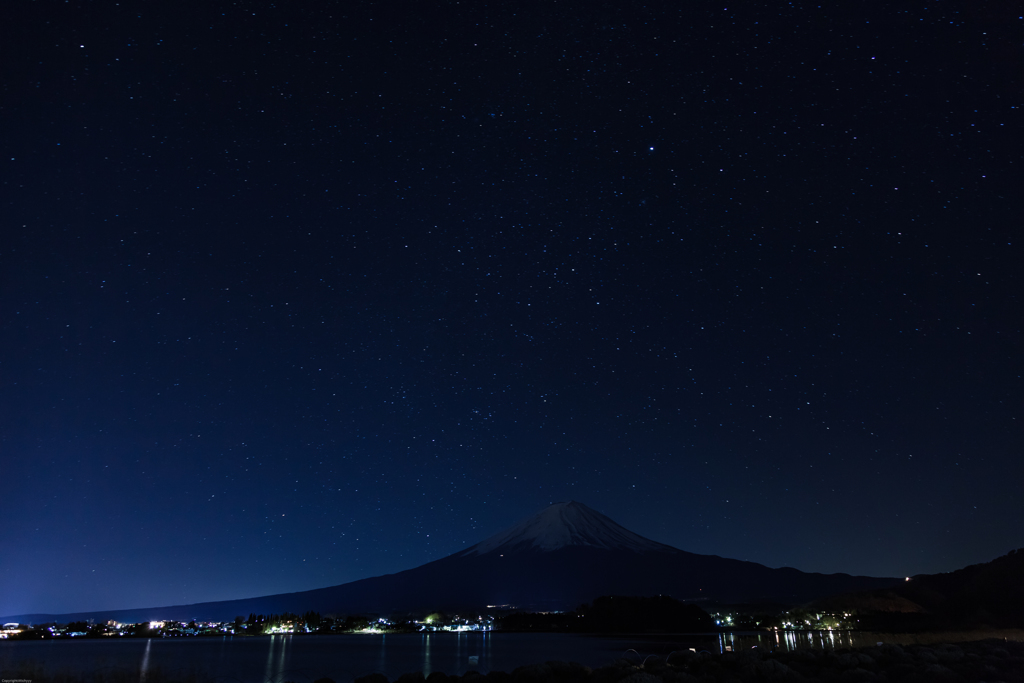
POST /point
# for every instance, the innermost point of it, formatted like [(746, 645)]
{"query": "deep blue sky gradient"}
[(291, 295)]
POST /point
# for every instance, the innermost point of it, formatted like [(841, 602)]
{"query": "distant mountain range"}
[(565, 555)]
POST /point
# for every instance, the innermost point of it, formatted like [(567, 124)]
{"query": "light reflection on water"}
[(277, 658), (274, 659), (788, 641), (144, 668)]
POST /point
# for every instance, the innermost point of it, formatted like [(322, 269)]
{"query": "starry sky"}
[(292, 294)]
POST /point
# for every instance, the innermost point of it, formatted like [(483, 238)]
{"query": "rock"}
[(859, 676), (641, 677), (676, 676), (680, 657), (768, 670), (570, 672), (614, 673), (805, 655), (937, 672), (948, 653), (533, 673), (847, 661)]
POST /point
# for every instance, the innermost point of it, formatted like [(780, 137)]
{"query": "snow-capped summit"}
[(565, 524)]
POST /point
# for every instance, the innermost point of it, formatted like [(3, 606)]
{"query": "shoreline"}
[(965, 661)]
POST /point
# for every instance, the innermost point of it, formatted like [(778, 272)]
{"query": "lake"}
[(274, 659)]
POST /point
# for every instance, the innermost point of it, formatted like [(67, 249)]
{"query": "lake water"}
[(274, 659)]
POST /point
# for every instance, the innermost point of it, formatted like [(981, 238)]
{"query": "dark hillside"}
[(990, 594)]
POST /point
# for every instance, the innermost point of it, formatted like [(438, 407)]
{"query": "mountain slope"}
[(990, 594), (565, 555)]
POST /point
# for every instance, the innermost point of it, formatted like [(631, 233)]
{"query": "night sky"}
[(293, 294)]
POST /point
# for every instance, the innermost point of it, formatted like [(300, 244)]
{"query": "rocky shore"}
[(986, 661)]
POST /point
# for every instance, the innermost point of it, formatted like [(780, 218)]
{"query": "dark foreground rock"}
[(986, 661)]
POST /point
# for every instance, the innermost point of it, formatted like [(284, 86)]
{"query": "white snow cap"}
[(565, 524)]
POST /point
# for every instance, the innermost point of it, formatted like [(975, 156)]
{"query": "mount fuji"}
[(565, 555)]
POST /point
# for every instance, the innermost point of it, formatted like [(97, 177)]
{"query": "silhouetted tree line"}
[(83, 629), (617, 614), (313, 621)]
